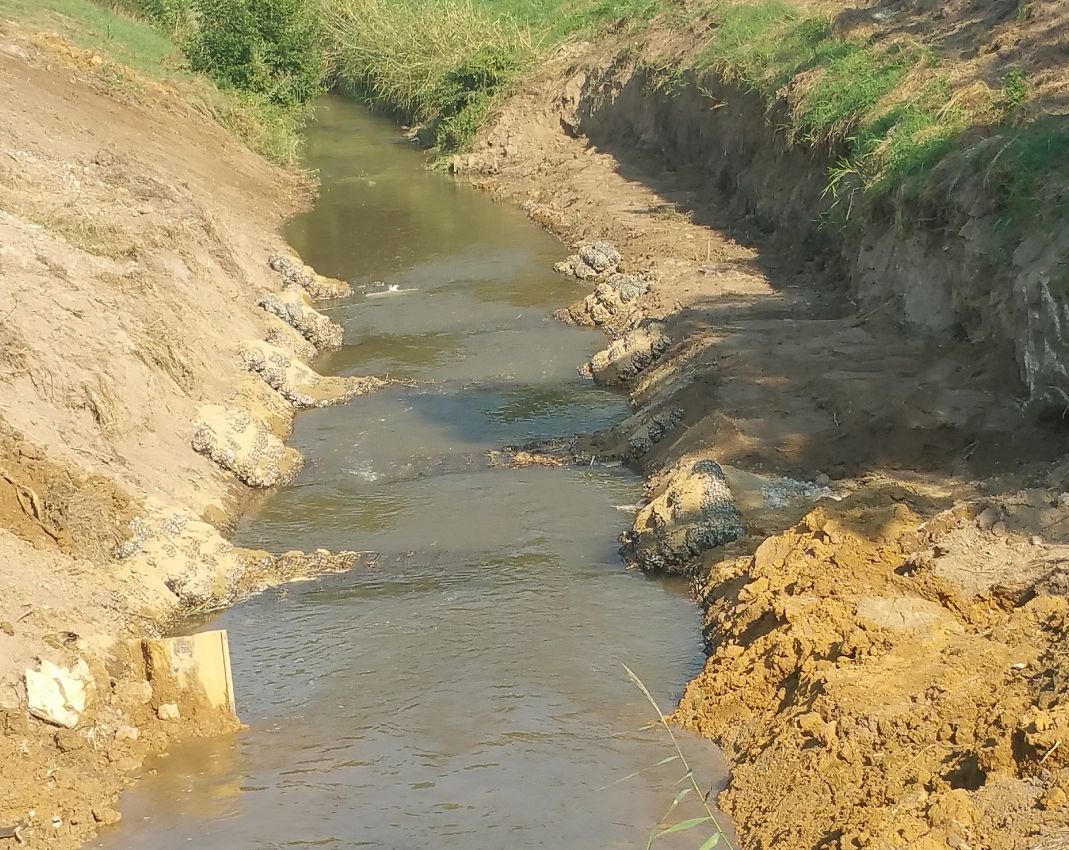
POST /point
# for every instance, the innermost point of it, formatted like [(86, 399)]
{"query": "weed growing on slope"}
[(883, 110), (710, 821)]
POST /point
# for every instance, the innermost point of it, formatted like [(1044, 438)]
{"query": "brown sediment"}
[(886, 628)]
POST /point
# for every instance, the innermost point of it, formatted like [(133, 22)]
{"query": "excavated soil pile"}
[(884, 681)]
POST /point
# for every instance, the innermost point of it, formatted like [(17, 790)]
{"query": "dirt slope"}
[(886, 635), (135, 397)]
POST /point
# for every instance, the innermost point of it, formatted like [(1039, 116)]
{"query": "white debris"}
[(58, 695), (168, 711)]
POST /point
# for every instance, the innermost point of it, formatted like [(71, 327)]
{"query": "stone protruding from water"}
[(692, 511), (296, 382), (295, 308), (283, 335), (627, 356), (593, 259), (243, 445), (295, 273), (610, 306), (178, 560)]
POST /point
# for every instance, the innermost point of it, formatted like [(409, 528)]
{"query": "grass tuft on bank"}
[(897, 124)]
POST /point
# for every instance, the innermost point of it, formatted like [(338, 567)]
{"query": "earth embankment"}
[(152, 332), (884, 625)]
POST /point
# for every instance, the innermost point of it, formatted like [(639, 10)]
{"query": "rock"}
[(601, 256), (605, 308), (289, 339), (649, 429), (627, 356), (126, 732), (106, 815), (58, 695), (693, 512), (594, 259), (294, 273), (987, 518), (177, 557), (628, 286), (296, 382), (245, 446), (132, 692), (168, 711), (295, 308), (68, 740)]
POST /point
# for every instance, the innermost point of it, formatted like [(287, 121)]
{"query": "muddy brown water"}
[(469, 692)]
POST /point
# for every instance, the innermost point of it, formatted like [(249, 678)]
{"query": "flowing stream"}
[(467, 692)]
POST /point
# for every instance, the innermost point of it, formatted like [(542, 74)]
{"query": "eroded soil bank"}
[(877, 532), (152, 331)]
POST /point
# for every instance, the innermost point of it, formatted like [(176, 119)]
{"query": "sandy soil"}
[(886, 637), (136, 395)]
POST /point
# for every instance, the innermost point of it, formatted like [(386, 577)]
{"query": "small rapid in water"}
[(468, 691)]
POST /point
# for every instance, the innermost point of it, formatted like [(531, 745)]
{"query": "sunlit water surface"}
[(469, 691)]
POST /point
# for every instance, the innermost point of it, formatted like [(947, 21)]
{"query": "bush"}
[(443, 63), (267, 47)]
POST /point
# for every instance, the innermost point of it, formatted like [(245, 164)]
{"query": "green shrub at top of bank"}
[(267, 48)]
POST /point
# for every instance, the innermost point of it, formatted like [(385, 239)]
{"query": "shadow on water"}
[(464, 688)]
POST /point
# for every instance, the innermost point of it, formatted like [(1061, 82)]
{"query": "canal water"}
[(468, 692)]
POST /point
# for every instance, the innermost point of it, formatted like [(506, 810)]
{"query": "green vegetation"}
[(444, 63), (267, 47), (888, 112), (709, 821), (877, 105), (93, 27)]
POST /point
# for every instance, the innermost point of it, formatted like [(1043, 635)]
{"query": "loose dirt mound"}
[(867, 700)]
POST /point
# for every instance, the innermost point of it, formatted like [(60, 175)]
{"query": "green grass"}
[(446, 64), (443, 63), (152, 54), (91, 27), (884, 112)]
